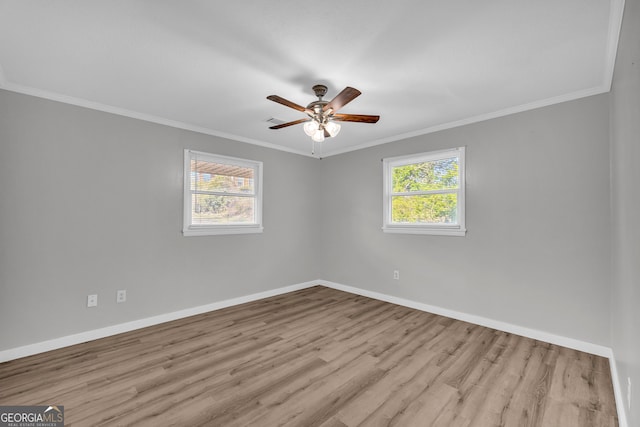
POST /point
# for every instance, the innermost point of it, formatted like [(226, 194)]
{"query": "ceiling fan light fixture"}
[(332, 128), (318, 136), (311, 127)]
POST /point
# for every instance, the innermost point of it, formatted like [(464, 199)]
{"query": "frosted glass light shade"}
[(333, 128), (318, 136), (311, 127)]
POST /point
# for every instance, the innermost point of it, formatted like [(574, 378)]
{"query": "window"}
[(222, 195), (424, 193)]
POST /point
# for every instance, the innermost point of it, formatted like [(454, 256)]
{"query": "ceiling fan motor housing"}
[(317, 106)]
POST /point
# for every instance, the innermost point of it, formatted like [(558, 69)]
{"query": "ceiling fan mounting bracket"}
[(320, 90)]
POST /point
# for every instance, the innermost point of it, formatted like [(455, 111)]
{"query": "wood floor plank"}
[(290, 402), (316, 357), (376, 395)]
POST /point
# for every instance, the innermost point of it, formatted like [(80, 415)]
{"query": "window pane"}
[(431, 208), (212, 176), (435, 175), (215, 210)]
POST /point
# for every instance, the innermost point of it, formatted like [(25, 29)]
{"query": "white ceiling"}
[(209, 65)]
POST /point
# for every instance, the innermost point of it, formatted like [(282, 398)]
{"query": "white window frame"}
[(430, 228), (189, 229)]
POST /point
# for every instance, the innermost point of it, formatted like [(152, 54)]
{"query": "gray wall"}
[(537, 251), (92, 202), (625, 177)]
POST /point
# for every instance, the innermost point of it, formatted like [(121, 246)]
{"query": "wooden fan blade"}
[(347, 95), (360, 118), (295, 122), (286, 102)]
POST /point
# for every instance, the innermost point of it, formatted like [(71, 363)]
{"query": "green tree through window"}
[(424, 193), (425, 177)]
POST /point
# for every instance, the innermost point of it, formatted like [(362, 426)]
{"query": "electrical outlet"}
[(629, 392), (121, 296), (396, 274), (92, 300)]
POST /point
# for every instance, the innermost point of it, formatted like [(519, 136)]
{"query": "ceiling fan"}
[(323, 115)]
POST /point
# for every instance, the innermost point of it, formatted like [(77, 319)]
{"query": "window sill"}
[(439, 231), (211, 231)]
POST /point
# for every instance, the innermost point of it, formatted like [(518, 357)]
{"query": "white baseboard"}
[(617, 391), (587, 347), (56, 343), (65, 341)]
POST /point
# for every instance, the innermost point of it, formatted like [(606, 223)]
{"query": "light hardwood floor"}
[(316, 357)]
